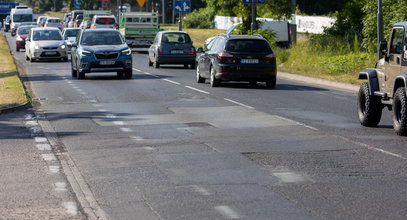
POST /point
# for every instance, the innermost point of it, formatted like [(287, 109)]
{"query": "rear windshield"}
[(105, 21), (179, 38), (79, 17), (23, 31), (71, 32), (248, 45), (53, 21), (102, 38), (47, 35)]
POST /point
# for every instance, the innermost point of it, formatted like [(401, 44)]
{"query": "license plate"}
[(177, 51), (249, 61), (107, 62), (50, 53)]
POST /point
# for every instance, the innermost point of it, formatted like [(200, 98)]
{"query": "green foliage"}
[(393, 11), (202, 18)]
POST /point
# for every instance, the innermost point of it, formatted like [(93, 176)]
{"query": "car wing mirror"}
[(74, 44), (200, 50), (66, 38), (129, 42)]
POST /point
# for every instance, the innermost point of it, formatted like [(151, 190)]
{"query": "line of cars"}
[(224, 57)]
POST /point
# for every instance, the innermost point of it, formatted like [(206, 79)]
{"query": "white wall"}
[(313, 24)]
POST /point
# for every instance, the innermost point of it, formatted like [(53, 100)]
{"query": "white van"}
[(19, 15)]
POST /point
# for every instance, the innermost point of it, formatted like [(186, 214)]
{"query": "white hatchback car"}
[(45, 43)]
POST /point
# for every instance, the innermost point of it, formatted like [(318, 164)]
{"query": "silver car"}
[(69, 35), (45, 43), (54, 22)]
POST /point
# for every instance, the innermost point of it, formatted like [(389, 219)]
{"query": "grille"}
[(117, 64), (106, 55), (53, 55), (50, 48)]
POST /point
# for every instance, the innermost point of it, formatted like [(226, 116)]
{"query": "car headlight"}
[(62, 46), (85, 53), (126, 51), (37, 47), (69, 42)]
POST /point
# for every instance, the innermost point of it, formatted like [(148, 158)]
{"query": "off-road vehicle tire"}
[(369, 107), (400, 111)]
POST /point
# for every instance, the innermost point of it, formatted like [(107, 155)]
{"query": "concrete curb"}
[(16, 108), (317, 81)]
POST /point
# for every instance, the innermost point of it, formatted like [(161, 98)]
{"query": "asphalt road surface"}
[(161, 146)]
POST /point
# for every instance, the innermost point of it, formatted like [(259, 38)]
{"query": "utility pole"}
[(379, 28), (254, 12), (163, 10)]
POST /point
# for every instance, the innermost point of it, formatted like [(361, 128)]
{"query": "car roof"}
[(53, 18), (45, 28), (180, 32), (72, 28), (403, 24), (100, 30), (108, 16)]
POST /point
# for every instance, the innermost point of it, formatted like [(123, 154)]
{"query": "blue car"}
[(101, 50)]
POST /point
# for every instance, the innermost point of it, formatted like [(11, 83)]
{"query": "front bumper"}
[(90, 64), (176, 59), (50, 54), (260, 73)]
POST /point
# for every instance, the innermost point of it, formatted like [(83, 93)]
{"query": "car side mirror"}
[(74, 44), (129, 42), (66, 38), (200, 50), (383, 48)]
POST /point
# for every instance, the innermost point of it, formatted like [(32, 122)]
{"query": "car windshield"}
[(40, 35), (53, 21), (105, 21), (179, 38), (71, 32), (248, 46), (22, 17), (102, 38), (23, 31)]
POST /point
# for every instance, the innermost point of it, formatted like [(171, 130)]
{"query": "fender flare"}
[(371, 76), (401, 81)]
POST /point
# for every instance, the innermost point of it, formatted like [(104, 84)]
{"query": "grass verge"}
[(12, 92), (198, 36)]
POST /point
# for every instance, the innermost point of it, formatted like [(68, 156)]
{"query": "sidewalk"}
[(31, 184)]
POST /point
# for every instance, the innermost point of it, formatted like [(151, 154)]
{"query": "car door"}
[(204, 61), (395, 58)]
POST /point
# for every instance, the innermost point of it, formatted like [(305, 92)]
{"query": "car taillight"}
[(117, 26), (61, 23), (93, 26), (46, 23), (192, 51), (270, 56), (160, 51), (225, 57)]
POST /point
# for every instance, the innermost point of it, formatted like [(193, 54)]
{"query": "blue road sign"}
[(182, 6), (77, 4), (255, 1)]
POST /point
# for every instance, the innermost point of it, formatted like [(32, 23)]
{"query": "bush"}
[(202, 18)]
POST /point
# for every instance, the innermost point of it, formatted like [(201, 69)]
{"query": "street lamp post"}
[(379, 27)]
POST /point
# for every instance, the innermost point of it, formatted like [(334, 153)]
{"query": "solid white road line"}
[(173, 82), (227, 212), (43, 146), (238, 103), (198, 90)]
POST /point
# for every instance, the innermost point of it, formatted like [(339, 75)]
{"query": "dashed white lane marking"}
[(290, 177), (126, 129), (201, 190), (296, 122), (148, 148), (96, 105), (227, 212), (111, 116), (75, 87), (60, 98), (79, 90), (92, 100), (118, 122), (198, 90), (102, 110), (137, 70), (151, 74), (40, 139), (54, 169), (69, 82), (71, 208), (31, 123), (170, 81), (238, 103), (84, 93), (60, 186), (43, 146), (48, 157), (137, 138)]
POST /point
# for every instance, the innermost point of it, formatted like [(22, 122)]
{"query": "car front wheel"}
[(369, 107), (214, 82), (400, 111), (199, 79)]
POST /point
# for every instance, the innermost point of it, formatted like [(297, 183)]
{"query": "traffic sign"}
[(77, 4), (182, 6), (255, 1), (141, 3)]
